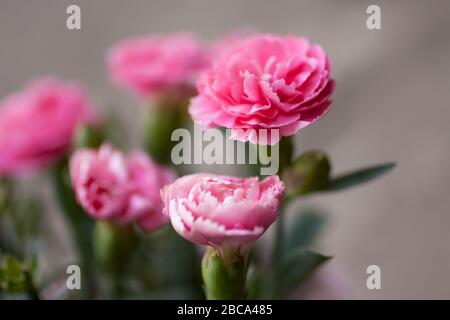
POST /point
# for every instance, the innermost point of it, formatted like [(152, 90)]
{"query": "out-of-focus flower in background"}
[(38, 122), (224, 212), (264, 82), (158, 64), (147, 180), (118, 188)]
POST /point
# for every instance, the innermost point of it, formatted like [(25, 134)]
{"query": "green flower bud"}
[(308, 173), (87, 136), (160, 120), (224, 277)]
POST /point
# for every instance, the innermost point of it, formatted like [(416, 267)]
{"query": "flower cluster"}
[(243, 82)]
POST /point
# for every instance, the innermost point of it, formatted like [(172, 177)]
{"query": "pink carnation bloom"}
[(37, 124), (120, 189), (224, 212), (264, 82), (160, 64)]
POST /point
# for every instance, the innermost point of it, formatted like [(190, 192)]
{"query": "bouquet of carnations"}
[(141, 226)]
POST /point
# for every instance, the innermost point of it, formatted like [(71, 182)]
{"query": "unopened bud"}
[(308, 173), (88, 136)]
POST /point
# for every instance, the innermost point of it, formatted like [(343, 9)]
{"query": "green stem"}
[(277, 255), (80, 224), (114, 246), (160, 119), (6, 194), (286, 151), (30, 286)]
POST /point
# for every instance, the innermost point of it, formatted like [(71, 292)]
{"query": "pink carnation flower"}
[(264, 82), (118, 188), (37, 124), (160, 64), (224, 212)]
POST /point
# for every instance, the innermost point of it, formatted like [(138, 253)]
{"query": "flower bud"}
[(160, 120), (88, 136), (308, 173), (223, 275)]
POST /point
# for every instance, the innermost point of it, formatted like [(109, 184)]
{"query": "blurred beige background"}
[(391, 103)]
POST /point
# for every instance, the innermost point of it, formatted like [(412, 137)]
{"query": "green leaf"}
[(296, 269), (358, 177), (304, 230)]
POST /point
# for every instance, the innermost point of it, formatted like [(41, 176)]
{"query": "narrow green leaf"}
[(304, 230), (296, 269), (359, 177)]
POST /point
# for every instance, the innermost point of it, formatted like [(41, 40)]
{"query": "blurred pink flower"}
[(37, 124), (225, 212), (159, 64), (264, 82), (147, 179), (121, 189)]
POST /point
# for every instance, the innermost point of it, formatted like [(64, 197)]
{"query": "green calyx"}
[(308, 173), (224, 277)]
